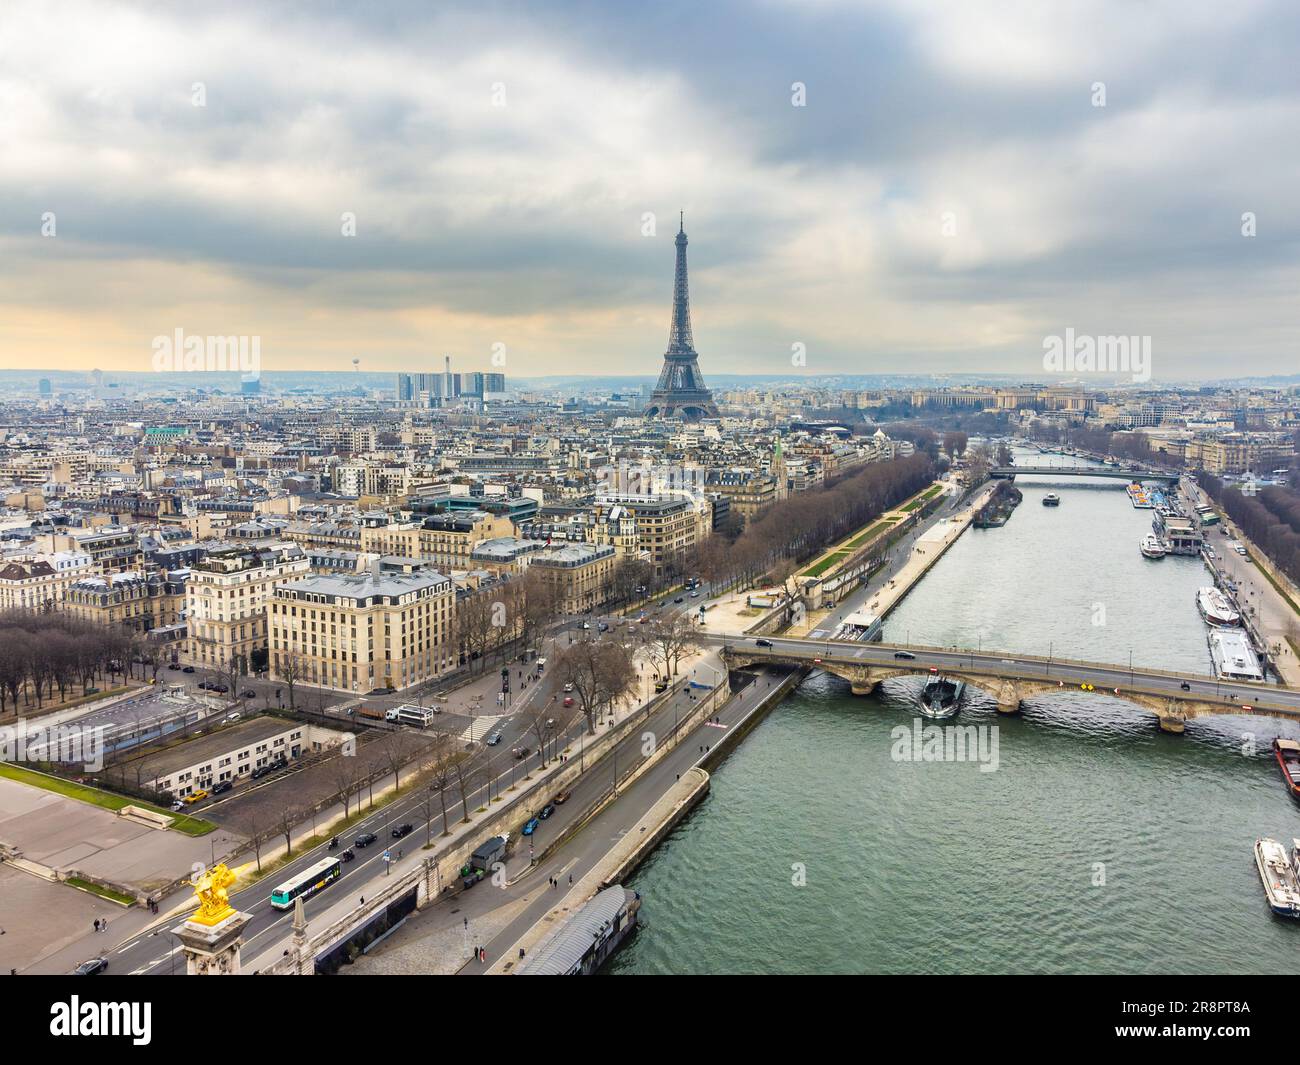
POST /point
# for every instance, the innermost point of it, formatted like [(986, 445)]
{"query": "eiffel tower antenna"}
[(681, 391)]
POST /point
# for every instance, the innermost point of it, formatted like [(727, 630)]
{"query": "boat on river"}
[(1278, 876), (1153, 547), (941, 697), (1287, 753)]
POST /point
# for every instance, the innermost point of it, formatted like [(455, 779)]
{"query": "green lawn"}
[(191, 826), (100, 890), (826, 563), (858, 541)]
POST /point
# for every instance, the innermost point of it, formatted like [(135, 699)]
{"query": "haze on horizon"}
[(949, 195)]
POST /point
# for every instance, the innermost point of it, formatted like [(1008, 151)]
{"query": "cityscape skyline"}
[(942, 187)]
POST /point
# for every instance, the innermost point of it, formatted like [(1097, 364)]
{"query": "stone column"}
[(212, 950)]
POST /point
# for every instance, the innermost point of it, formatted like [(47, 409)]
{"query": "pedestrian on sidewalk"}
[(96, 924)]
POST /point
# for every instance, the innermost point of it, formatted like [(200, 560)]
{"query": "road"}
[(579, 855)]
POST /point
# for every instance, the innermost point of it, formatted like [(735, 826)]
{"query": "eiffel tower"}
[(680, 392)]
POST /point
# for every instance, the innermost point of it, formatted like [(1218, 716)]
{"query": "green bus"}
[(307, 883)]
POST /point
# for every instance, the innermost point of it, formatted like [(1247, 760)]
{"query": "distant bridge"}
[(1117, 473), (1174, 698)]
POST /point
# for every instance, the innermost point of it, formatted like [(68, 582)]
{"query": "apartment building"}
[(446, 539), (136, 601), (357, 632), (226, 602), (580, 574), (42, 582)]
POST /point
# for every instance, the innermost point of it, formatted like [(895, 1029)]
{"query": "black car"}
[(174, 665), (762, 643), (547, 810), (403, 830), (188, 669), (249, 693), (904, 654), (221, 786), (365, 839), (92, 967), (680, 599), (1185, 686)]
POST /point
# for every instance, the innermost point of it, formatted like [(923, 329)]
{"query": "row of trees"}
[(44, 653), (1270, 518), (795, 528)]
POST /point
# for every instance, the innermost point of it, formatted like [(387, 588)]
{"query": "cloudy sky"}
[(949, 194)]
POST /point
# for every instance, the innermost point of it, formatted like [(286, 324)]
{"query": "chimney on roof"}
[(374, 570)]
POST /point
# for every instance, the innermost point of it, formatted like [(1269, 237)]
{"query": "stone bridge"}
[(1172, 708)]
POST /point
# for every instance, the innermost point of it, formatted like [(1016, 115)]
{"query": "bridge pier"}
[(863, 686), (1172, 718), (1008, 695)]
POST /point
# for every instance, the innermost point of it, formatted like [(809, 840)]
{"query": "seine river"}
[(1097, 844)]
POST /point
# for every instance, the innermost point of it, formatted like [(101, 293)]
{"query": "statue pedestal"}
[(212, 950)]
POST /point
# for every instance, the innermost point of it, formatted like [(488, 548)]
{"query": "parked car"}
[(531, 826), (195, 796), (561, 798), (520, 753), (763, 643), (695, 595), (904, 654), (365, 839), (91, 968), (221, 787), (585, 625), (604, 626), (188, 669), (173, 665), (249, 693), (177, 806), (546, 811), (403, 830), (222, 688), (381, 691), (493, 739), (232, 718)]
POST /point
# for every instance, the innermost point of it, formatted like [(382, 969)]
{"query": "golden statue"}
[(213, 891)]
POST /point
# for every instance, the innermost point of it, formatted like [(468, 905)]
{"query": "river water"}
[(1097, 843)]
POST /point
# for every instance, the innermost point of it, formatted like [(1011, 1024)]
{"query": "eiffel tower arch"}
[(680, 391)]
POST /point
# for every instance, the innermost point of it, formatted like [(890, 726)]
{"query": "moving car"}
[(520, 753), (569, 686), (403, 830), (365, 839), (763, 643), (92, 967), (680, 599), (904, 654), (493, 739), (568, 700), (531, 826), (661, 686)]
